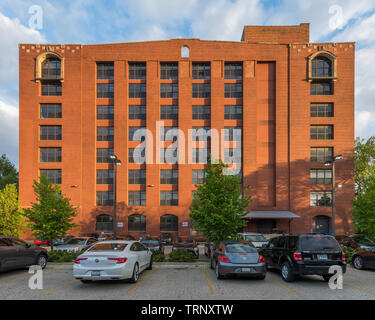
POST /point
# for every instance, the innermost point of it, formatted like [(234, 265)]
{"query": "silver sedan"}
[(113, 260)]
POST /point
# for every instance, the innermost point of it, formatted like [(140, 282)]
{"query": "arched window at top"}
[(321, 67), (185, 52), (51, 68)]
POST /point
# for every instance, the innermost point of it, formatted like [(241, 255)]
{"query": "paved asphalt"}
[(184, 281)]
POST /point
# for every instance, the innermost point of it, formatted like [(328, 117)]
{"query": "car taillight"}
[(224, 259), (118, 260), (297, 256), (261, 259), (78, 260), (343, 256)]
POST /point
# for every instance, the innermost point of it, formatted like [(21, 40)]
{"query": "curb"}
[(158, 264)]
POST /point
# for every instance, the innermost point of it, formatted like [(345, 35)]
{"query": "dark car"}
[(304, 254), (166, 239), (151, 243), (237, 257), (364, 259), (356, 241), (16, 253), (187, 244)]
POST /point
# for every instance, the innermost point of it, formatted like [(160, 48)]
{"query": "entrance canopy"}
[(271, 215)]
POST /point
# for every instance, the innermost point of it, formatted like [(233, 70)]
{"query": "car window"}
[(318, 242), (141, 247), (3, 243), (281, 242), (362, 240), (293, 242), (107, 247), (254, 238), (18, 242), (133, 247), (76, 241), (273, 242), (150, 242), (239, 248), (91, 241)]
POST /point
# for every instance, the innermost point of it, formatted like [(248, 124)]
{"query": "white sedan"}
[(113, 260)]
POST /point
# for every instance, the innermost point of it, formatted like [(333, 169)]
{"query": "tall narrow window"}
[(51, 68), (233, 70)]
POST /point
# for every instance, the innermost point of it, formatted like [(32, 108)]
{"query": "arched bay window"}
[(321, 67), (168, 222), (322, 73), (104, 223), (51, 68), (137, 222)]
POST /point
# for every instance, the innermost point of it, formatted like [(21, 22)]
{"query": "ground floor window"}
[(168, 222), (137, 222), (265, 226), (104, 223)]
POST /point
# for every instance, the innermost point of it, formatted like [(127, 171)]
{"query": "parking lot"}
[(184, 281)]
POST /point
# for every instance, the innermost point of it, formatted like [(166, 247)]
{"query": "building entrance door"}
[(322, 224)]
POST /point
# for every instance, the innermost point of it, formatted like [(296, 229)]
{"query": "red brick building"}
[(292, 99)]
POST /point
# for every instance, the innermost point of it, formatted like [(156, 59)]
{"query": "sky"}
[(106, 21)]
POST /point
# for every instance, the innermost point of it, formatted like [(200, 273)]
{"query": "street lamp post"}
[(116, 162), (333, 164)]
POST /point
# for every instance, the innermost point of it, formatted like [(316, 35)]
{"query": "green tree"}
[(364, 163), (11, 218), (218, 205), (8, 173), (364, 210), (51, 216)]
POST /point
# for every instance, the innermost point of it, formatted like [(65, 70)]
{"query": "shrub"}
[(63, 256), (349, 253), (181, 256), (158, 256)]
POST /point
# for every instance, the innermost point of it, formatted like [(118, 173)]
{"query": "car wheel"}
[(86, 281), (326, 277), (217, 271), (135, 275), (41, 261), (150, 265), (287, 272), (358, 262)]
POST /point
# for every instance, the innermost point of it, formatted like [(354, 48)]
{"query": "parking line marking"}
[(358, 287), (131, 290), (285, 287), (209, 282), (59, 287)]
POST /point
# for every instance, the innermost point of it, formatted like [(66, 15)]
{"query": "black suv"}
[(303, 254)]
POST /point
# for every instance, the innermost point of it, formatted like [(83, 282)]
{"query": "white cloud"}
[(364, 122), (9, 131)]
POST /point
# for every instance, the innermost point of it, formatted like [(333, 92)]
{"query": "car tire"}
[(219, 276), (135, 275), (326, 277), (150, 265), (287, 273), (358, 262), (86, 281), (41, 261)]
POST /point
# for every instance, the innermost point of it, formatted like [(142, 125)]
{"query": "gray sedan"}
[(16, 253), (237, 257), (77, 244)]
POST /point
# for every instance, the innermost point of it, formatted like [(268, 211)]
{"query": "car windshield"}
[(255, 238), (108, 247), (76, 241), (152, 242), (362, 240), (318, 242), (239, 248)]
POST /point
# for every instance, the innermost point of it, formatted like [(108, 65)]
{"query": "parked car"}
[(16, 253), (257, 239), (237, 257), (364, 259), (127, 237), (152, 244), (187, 244), (304, 254), (113, 260), (59, 242), (39, 242), (166, 239), (77, 244), (356, 241)]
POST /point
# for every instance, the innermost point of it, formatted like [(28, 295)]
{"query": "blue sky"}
[(102, 21)]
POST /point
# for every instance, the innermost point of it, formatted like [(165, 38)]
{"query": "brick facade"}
[(276, 123)]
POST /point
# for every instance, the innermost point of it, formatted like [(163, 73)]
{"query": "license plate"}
[(322, 257), (247, 270), (95, 273)]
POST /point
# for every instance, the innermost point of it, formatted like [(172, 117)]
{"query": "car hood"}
[(70, 247)]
